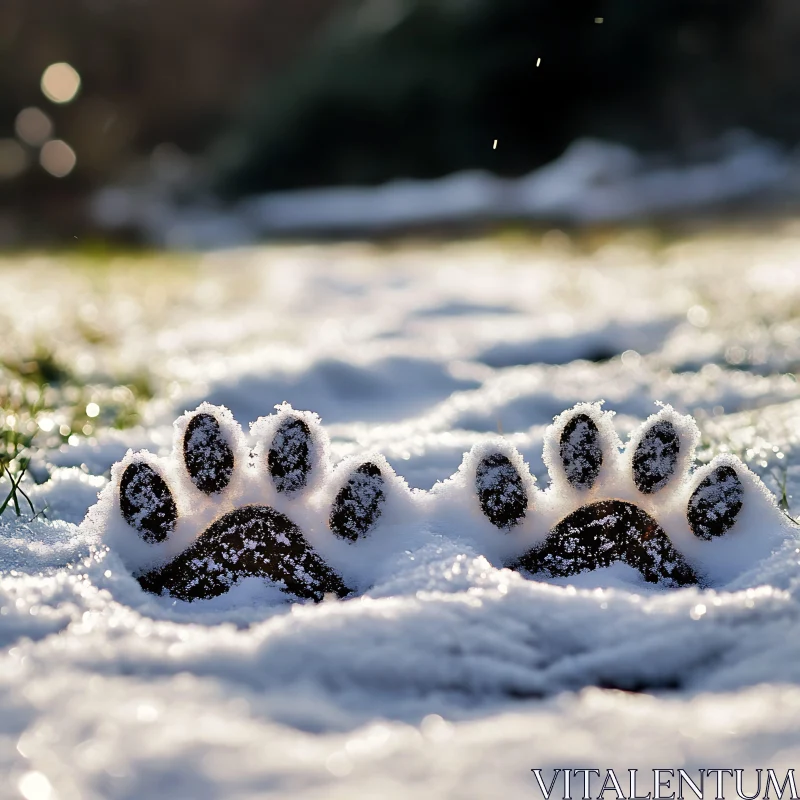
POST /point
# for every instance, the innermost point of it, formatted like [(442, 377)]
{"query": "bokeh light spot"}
[(33, 126), (60, 82), (35, 786), (13, 159), (58, 158), (698, 316), (339, 765), (631, 359)]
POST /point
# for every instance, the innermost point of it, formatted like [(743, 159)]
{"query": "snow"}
[(446, 675), (592, 181)]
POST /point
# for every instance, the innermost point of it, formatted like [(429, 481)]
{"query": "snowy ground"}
[(592, 181), (449, 677)]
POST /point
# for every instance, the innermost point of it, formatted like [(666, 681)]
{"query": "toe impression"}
[(581, 451), (359, 503), (146, 502), (656, 457), (208, 457), (715, 503), (289, 457), (501, 492)]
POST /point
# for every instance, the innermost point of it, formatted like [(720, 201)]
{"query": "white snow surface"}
[(447, 675)]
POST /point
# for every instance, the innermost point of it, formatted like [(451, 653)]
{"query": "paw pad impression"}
[(602, 533), (253, 541)]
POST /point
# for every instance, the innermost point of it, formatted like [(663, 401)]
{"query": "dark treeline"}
[(272, 95), (425, 88)]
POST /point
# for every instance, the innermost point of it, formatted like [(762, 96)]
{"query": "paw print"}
[(641, 505), (215, 511)]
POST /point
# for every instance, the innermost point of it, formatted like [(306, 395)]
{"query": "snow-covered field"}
[(447, 676), (592, 181)]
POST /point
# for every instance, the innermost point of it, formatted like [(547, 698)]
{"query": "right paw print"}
[(641, 506), (214, 512)]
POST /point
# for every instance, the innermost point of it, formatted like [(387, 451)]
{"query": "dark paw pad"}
[(253, 541), (715, 504), (656, 457), (581, 451), (146, 502), (289, 457), (359, 503), (599, 534), (207, 456), (500, 491)]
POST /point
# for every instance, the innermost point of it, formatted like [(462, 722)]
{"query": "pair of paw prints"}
[(640, 505)]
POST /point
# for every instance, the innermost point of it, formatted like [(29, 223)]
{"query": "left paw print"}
[(214, 513)]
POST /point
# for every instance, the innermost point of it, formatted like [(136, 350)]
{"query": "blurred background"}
[(177, 123)]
